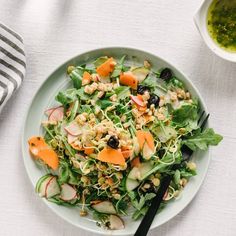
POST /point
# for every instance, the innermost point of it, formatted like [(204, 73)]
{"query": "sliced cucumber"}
[(147, 151), (165, 133), (105, 207), (144, 168), (68, 193), (140, 73), (136, 175), (131, 184), (116, 223), (43, 186), (52, 188), (40, 181)]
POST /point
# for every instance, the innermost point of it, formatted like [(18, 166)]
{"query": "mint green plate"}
[(44, 98)]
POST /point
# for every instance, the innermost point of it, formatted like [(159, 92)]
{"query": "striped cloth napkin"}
[(12, 63)]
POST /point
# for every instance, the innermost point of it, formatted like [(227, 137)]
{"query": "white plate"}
[(45, 98)]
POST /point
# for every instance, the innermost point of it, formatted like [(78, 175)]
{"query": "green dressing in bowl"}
[(221, 23)]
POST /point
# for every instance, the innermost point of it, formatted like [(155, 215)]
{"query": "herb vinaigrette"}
[(221, 23)]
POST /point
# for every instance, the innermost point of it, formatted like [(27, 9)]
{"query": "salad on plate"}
[(113, 137)]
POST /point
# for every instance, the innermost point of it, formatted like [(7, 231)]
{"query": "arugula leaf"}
[(152, 81), (175, 83), (85, 108), (100, 61), (143, 199), (132, 195), (82, 95), (76, 78), (121, 109), (122, 92), (149, 196), (63, 98), (186, 114), (203, 139), (83, 68), (74, 110), (187, 173), (139, 213), (142, 204), (65, 175), (67, 96), (122, 205), (139, 204), (68, 147), (156, 85), (73, 178), (115, 119), (177, 177), (104, 103), (50, 133), (164, 133), (164, 166), (118, 68)]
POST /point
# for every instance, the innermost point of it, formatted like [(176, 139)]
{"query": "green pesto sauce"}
[(221, 23)]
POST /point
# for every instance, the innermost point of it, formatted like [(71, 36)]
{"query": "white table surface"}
[(55, 30)]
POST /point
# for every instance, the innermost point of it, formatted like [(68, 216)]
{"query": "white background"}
[(54, 31)]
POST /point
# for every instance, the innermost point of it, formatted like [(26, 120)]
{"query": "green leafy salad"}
[(116, 133)]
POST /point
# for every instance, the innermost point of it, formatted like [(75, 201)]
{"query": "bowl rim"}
[(201, 15), (66, 63)]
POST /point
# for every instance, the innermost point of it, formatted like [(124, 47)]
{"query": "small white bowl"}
[(200, 20)]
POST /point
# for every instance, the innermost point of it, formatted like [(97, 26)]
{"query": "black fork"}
[(156, 201)]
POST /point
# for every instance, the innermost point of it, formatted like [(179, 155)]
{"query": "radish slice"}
[(73, 129), (52, 188), (104, 207), (71, 138), (57, 114), (165, 195), (49, 111), (41, 185), (116, 223), (68, 193), (137, 101)]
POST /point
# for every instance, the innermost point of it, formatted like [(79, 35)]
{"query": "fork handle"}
[(152, 210)]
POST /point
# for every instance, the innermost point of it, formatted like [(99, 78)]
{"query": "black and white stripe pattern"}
[(12, 63)]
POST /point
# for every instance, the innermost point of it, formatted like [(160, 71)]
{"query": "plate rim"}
[(144, 51)]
